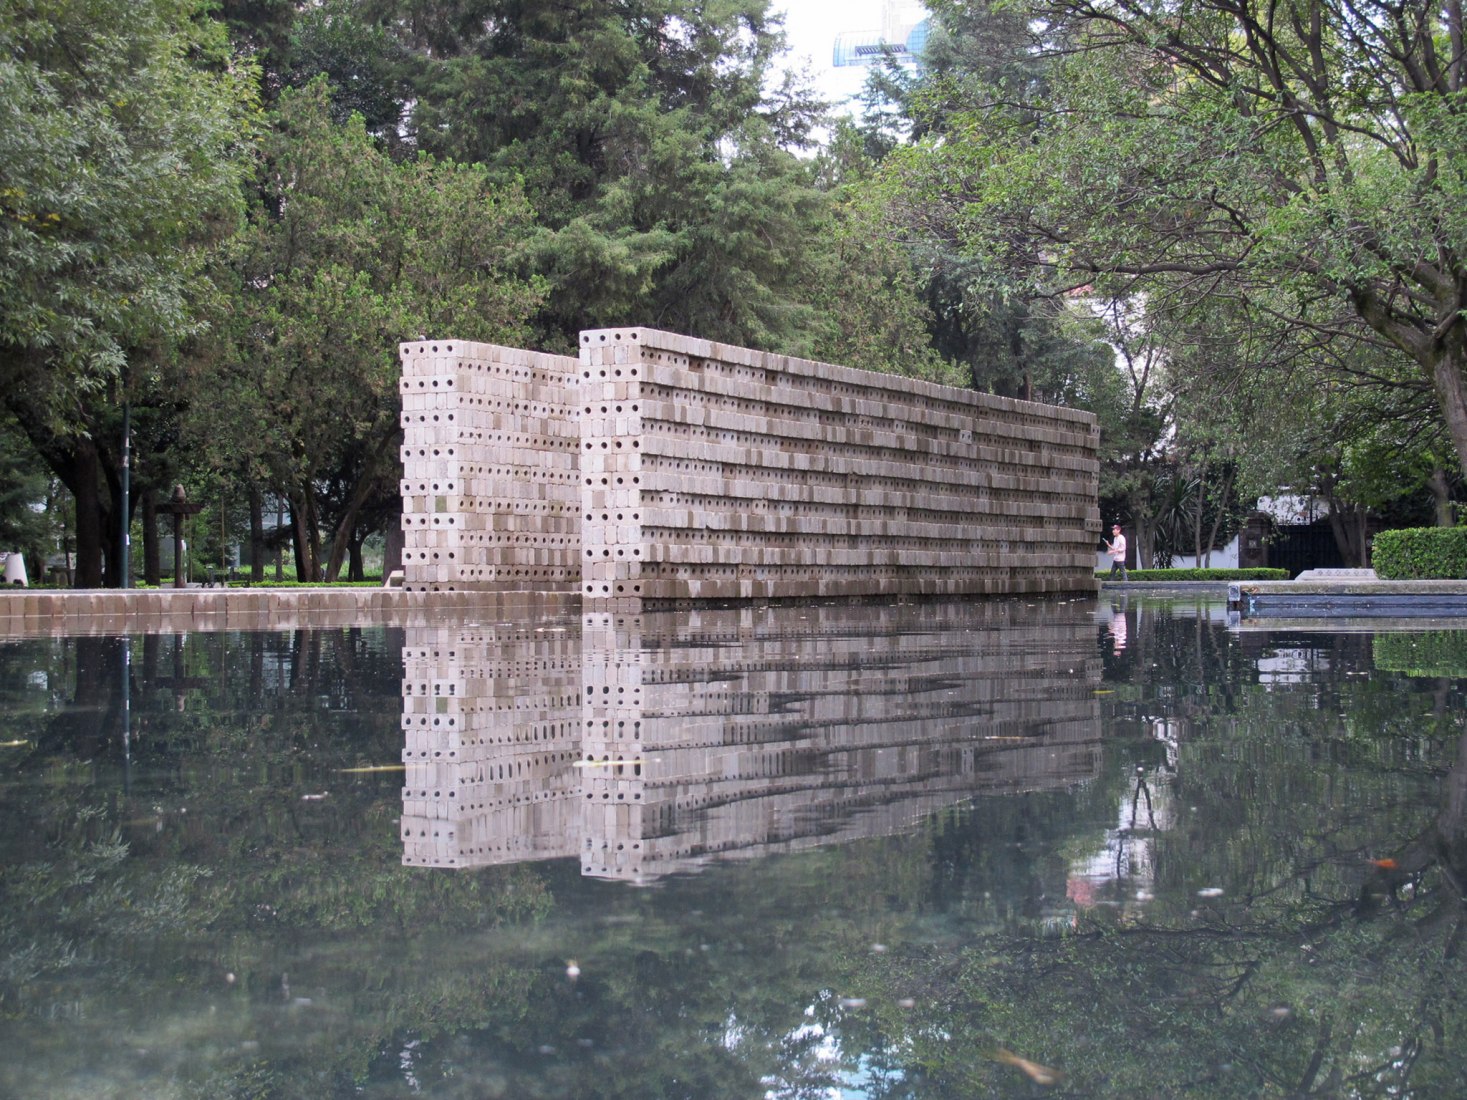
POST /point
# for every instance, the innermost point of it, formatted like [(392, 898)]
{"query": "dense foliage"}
[(1421, 553)]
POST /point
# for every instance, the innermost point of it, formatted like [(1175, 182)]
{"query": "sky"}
[(811, 27)]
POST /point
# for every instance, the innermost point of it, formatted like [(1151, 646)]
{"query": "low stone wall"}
[(664, 468)]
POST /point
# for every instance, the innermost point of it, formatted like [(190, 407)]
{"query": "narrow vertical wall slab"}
[(712, 472), (491, 725), (490, 489)]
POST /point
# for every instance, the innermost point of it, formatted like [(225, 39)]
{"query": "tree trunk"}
[(1451, 394), (307, 537), (1348, 524), (354, 570), (392, 553), (1144, 536), (86, 492), (1199, 503), (1441, 496), (1225, 494), (360, 494), (152, 560), (257, 534), (112, 524)]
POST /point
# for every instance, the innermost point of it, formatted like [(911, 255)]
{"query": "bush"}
[(1430, 653), (1421, 553), (1204, 575)]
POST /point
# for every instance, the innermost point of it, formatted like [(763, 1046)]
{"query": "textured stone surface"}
[(718, 472), (489, 488), (665, 468)]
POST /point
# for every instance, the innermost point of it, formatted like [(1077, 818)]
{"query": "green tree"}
[(347, 253), (657, 149), (1282, 154), (1001, 333), (120, 158)]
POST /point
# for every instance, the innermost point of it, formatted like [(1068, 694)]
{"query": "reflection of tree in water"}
[(134, 886), (1327, 963), (1315, 972)]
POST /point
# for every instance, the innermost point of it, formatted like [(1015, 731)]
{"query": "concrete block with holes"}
[(663, 468), (490, 489), (713, 472)]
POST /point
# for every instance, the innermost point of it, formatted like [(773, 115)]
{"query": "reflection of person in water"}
[(1118, 632), (1116, 627)]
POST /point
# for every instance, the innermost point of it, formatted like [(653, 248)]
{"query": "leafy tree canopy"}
[(1296, 156), (124, 125)]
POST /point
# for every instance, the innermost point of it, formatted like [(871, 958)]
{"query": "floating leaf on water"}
[(365, 769), (1040, 1075)]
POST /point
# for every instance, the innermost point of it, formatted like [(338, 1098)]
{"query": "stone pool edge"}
[(37, 613)]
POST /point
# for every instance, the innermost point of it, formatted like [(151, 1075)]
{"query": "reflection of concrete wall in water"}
[(710, 472), (491, 733), (742, 732)]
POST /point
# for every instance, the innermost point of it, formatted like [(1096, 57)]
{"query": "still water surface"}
[(1013, 848)]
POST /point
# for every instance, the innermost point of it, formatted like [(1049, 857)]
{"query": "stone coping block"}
[(34, 613)]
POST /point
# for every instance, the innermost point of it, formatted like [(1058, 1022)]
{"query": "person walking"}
[(1116, 548)]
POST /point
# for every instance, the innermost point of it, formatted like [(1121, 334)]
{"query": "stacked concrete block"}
[(712, 472), (490, 487), (613, 767), (491, 737), (753, 731)]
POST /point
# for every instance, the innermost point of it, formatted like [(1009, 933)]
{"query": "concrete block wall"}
[(651, 744), (712, 472), (490, 489), (661, 467)]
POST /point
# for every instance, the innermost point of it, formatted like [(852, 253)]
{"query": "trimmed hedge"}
[(1430, 653), (1420, 553), (1203, 574)]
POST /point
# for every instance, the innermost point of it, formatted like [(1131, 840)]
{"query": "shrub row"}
[(1420, 553)]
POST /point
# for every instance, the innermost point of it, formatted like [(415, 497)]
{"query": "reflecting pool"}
[(1005, 848)]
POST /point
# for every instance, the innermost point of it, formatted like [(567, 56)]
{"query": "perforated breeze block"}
[(490, 494), (711, 472), (666, 469)]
